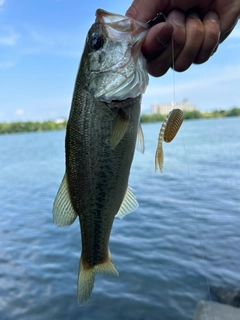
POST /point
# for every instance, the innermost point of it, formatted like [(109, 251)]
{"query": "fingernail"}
[(163, 42), (177, 17), (215, 49), (211, 15), (216, 46), (164, 36)]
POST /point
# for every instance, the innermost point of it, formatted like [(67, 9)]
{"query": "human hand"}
[(196, 27)]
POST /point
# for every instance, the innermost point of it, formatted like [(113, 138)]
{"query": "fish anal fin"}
[(119, 128), (128, 205), (63, 212), (159, 158), (86, 278), (140, 140)]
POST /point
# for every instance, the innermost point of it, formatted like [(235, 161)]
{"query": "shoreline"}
[(38, 126), (190, 115)]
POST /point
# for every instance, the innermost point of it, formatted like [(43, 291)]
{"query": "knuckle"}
[(179, 37), (212, 34), (197, 30)]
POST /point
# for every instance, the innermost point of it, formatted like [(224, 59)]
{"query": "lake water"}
[(187, 228)]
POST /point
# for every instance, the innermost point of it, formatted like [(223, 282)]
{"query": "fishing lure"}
[(168, 131)]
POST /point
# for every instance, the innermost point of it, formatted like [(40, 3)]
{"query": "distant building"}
[(60, 121), (167, 107)]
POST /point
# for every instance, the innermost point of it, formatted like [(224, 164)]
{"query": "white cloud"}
[(6, 64), (54, 42), (209, 89), (223, 75), (9, 38), (19, 112)]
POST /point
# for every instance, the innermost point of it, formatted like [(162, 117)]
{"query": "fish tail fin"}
[(86, 278), (85, 284), (159, 158)]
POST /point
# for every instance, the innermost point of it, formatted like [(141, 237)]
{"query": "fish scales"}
[(100, 172)]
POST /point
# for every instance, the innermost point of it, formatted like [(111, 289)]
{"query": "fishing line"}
[(191, 189), (173, 75), (198, 229)]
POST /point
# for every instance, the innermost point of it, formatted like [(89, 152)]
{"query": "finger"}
[(211, 37), (228, 13), (143, 10), (160, 65), (224, 35), (156, 40), (177, 19), (193, 43)]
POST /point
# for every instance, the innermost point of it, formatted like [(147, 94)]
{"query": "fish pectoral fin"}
[(140, 140), (63, 212), (86, 278), (159, 158), (119, 128), (128, 205)]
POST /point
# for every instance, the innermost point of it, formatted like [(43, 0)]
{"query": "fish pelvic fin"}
[(159, 158), (140, 140), (128, 205), (119, 128), (63, 212), (86, 278)]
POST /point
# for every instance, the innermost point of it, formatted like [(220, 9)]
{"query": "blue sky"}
[(41, 43)]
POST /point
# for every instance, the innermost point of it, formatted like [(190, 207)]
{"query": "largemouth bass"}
[(100, 140)]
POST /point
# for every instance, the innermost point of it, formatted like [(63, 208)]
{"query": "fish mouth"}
[(122, 28), (104, 16), (118, 26), (122, 72)]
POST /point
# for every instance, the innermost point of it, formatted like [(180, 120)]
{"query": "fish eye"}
[(97, 42)]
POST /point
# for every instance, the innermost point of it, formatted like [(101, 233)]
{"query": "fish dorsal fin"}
[(128, 205), (159, 158), (63, 212), (140, 140), (119, 128)]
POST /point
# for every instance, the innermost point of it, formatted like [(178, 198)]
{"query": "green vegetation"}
[(193, 114), (152, 117), (145, 118), (15, 127)]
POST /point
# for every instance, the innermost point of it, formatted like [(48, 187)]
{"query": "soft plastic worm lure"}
[(168, 131), (174, 122)]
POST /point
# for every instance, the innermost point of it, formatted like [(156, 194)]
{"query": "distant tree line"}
[(15, 127), (155, 117)]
